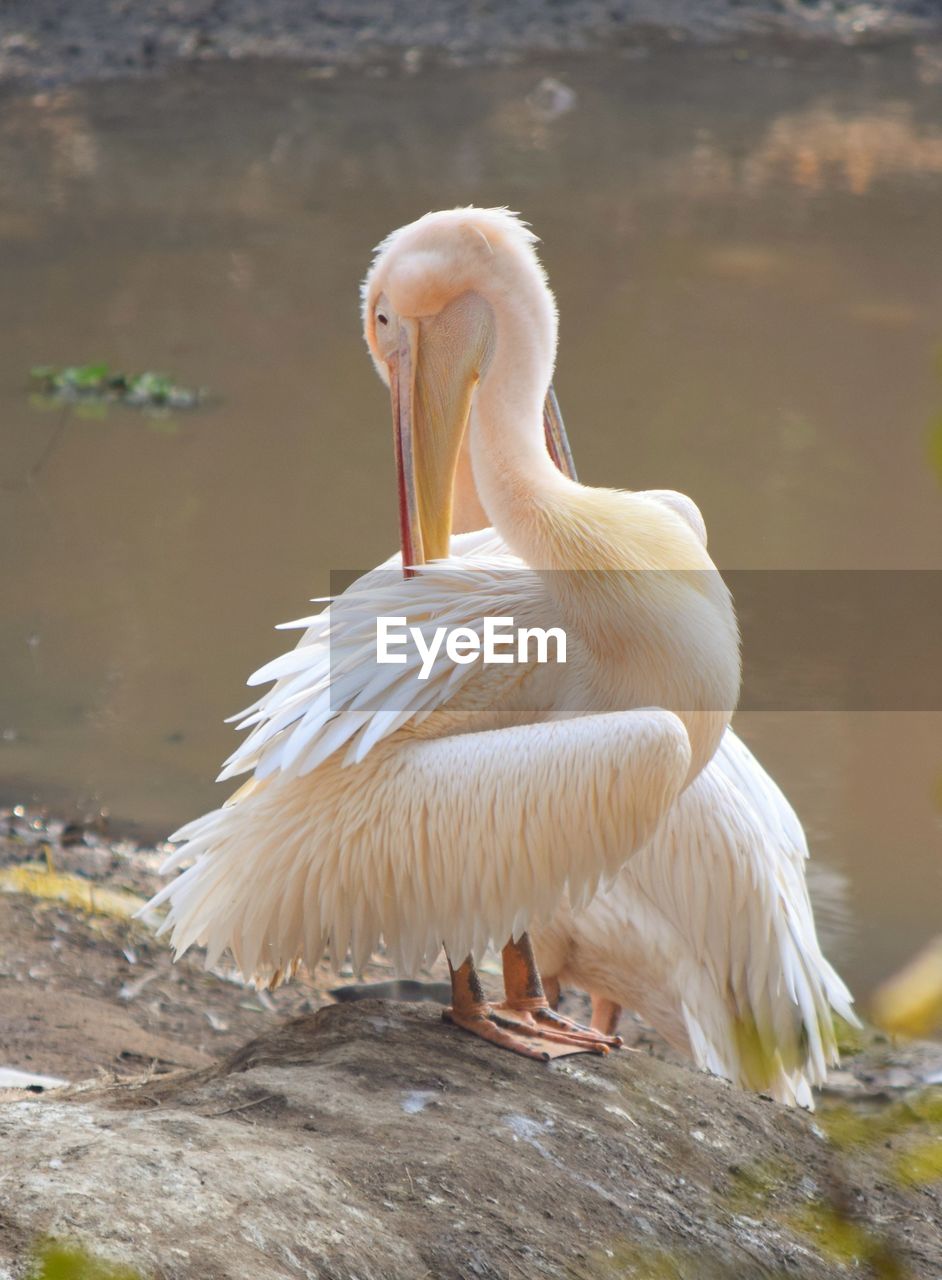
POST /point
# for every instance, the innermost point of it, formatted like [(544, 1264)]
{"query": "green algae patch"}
[(91, 388), (849, 1127), (38, 881), (625, 1259), (920, 1165), (840, 1238), (54, 1261), (753, 1186)]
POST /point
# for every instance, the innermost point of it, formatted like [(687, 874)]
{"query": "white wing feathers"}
[(779, 820), (758, 993), (461, 838), (330, 691), (708, 933)]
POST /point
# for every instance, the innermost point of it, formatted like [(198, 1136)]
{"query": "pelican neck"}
[(517, 482)]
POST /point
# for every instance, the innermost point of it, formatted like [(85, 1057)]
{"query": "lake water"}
[(746, 253)]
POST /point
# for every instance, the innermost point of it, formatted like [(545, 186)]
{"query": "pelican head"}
[(431, 307)]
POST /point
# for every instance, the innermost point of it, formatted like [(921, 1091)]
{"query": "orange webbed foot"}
[(524, 1022), (552, 1023), (521, 1033)]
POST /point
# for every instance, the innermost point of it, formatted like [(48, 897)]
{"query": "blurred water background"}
[(745, 251)]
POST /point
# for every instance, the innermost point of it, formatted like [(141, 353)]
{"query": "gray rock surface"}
[(373, 1141)]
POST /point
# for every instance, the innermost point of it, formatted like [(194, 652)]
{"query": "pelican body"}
[(458, 810), (708, 932)]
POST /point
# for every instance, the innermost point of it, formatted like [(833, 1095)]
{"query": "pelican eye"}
[(381, 318)]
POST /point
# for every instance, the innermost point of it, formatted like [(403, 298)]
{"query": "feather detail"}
[(364, 820), (708, 933)]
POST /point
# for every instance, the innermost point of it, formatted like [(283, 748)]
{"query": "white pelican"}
[(456, 811), (708, 932)]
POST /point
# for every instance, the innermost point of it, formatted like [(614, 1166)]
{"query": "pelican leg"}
[(551, 987), (526, 1000), (471, 1010), (605, 1015)]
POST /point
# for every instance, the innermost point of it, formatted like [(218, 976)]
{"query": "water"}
[(746, 257)]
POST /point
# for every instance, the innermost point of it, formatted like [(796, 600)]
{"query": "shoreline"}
[(50, 46)]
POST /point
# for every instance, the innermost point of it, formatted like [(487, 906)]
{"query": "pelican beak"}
[(557, 442), (431, 385)]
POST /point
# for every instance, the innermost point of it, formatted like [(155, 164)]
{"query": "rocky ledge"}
[(371, 1140)]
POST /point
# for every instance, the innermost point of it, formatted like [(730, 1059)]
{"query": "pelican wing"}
[(709, 934), (330, 692), (770, 804), (359, 824), (460, 839), (761, 996)]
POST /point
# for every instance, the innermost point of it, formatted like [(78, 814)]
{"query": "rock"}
[(373, 1141)]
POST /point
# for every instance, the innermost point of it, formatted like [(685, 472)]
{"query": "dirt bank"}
[(49, 42)]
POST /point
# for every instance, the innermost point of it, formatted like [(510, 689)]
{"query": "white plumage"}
[(708, 934), (461, 809), (356, 826), (384, 807)]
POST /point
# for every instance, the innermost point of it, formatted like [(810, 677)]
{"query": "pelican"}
[(708, 932), (456, 811)]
